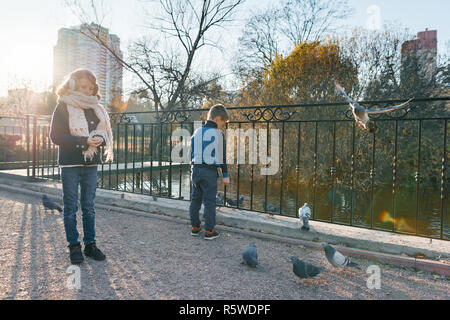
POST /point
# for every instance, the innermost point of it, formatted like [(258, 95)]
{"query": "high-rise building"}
[(76, 50), (424, 49)]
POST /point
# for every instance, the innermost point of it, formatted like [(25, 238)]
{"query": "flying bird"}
[(234, 203), (336, 258), (305, 214), (304, 270), (49, 204), (250, 256), (362, 114)]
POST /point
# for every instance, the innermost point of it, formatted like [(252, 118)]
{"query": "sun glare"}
[(27, 54), (29, 61)]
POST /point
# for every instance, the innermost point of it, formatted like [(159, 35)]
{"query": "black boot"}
[(76, 257), (91, 250)]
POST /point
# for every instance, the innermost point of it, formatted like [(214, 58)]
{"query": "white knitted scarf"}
[(76, 103)]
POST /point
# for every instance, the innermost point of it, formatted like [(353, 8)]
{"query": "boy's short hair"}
[(218, 110)]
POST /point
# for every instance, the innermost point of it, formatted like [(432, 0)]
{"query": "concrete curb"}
[(420, 264)]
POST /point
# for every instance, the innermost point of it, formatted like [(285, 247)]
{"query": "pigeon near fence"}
[(219, 199), (304, 214), (234, 203), (270, 207)]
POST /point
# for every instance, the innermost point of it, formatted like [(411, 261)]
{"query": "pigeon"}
[(336, 258), (270, 207), (234, 203), (219, 199), (362, 114), (250, 256), (304, 270), (49, 204), (304, 213)]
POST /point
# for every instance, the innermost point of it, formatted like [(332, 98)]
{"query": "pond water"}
[(338, 204)]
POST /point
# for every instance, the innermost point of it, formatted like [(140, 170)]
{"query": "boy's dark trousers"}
[(204, 190)]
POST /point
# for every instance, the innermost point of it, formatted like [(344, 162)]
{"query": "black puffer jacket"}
[(71, 147)]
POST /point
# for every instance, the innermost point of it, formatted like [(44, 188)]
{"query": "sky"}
[(28, 31)]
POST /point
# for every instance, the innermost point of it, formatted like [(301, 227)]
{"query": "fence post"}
[(33, 171), (28, 144)]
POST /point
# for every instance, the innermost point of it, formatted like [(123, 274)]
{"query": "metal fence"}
[(394, 180)]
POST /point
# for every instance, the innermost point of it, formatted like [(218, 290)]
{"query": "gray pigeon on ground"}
[(362, 114), (270, 207), (304, 213), (304, 270), (49, 204), (219, 199), (336, 258), (250, 256), (234, 203)]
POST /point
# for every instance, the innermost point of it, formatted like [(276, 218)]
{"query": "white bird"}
[(304, 213), (362, 114)]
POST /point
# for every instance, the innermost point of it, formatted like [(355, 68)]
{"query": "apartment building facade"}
[(75, 49), (425, 49)]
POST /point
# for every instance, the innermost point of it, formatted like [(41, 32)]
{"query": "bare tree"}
[(162, 69), (23, 97), (373, 52), (3, 107), (260, 41), (310, 20), (277, 30), (384, 71)]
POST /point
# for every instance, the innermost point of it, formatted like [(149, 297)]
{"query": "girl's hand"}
[(226, 181), (95, 141)]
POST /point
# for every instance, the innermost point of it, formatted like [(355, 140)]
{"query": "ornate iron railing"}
[(394, 180)]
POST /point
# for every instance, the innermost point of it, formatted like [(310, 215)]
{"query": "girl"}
[(80, 125)]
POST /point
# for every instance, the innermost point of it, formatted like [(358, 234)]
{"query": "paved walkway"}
[(150, 258)]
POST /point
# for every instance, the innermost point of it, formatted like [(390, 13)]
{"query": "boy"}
[(208, 153)]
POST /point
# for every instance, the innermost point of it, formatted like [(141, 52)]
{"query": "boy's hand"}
[(226, 181)]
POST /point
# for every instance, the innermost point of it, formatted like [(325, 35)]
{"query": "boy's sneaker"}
[(76, 257), (195, 231), (211, 235), (92, 251)]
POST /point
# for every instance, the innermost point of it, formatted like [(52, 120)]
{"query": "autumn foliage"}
[(305, 76)]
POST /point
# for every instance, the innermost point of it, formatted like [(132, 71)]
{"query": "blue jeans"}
[(86, 177), (204, 190)]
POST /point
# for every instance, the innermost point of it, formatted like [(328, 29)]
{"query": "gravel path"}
[(155, 259)]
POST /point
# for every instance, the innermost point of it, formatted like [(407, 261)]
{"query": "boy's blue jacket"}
[(210, 139)]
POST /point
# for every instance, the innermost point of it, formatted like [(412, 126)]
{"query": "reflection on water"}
[(338, 204)]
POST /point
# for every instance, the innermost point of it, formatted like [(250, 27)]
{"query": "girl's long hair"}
[(77, 75)]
